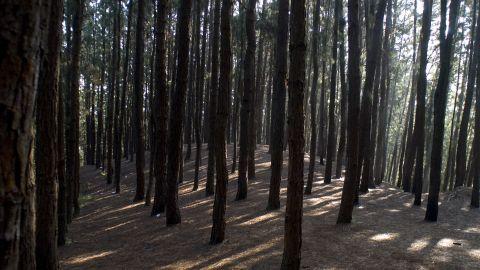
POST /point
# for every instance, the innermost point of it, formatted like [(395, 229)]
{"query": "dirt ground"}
[(387, 232)]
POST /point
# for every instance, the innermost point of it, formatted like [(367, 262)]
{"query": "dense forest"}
[(190, 134)]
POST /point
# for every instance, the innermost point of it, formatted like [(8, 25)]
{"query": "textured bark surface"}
[(46, 138), (296, 140), (19, 40)]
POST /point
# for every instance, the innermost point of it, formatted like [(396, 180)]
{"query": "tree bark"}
[(219, 206), (209, 188), (313, 98), (278, 105), (351, 178), (296, 140), (46, 138), (446, 48), (246, 107), (177, 112), (138, 102)]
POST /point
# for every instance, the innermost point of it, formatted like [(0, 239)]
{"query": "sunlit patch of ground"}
[(387, 231)]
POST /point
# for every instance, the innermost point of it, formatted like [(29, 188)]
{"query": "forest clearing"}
[(387, 232)]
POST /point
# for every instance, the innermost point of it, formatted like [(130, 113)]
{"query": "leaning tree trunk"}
[(278, 105), (220, 203), (20, 35), (296, 140)]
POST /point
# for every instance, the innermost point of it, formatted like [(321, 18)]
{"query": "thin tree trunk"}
[(351, 178), (313, 97), (209, 188), (246, 108), (220, 203), (175, 124), (278, 105), (138, 102)]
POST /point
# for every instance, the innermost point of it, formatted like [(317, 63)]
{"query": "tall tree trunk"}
[(209, 188), (461, 157), (20, 35), (351, 178), (160, 108), (175, 124), (313, 97), (278, 105), (332, 141), (446, 49), (138, 102), (100, 156), (113, 89), (296, 141), (246, 108), (126, 70), (73, 156), (220, 203), (373, 51), (384, 90), (200, 59), (419, 130), (343, 98), (46, 138)]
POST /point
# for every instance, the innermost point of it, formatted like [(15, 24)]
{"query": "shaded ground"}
[(387, 232)]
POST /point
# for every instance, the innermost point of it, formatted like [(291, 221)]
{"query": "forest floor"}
[(386, 233)]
